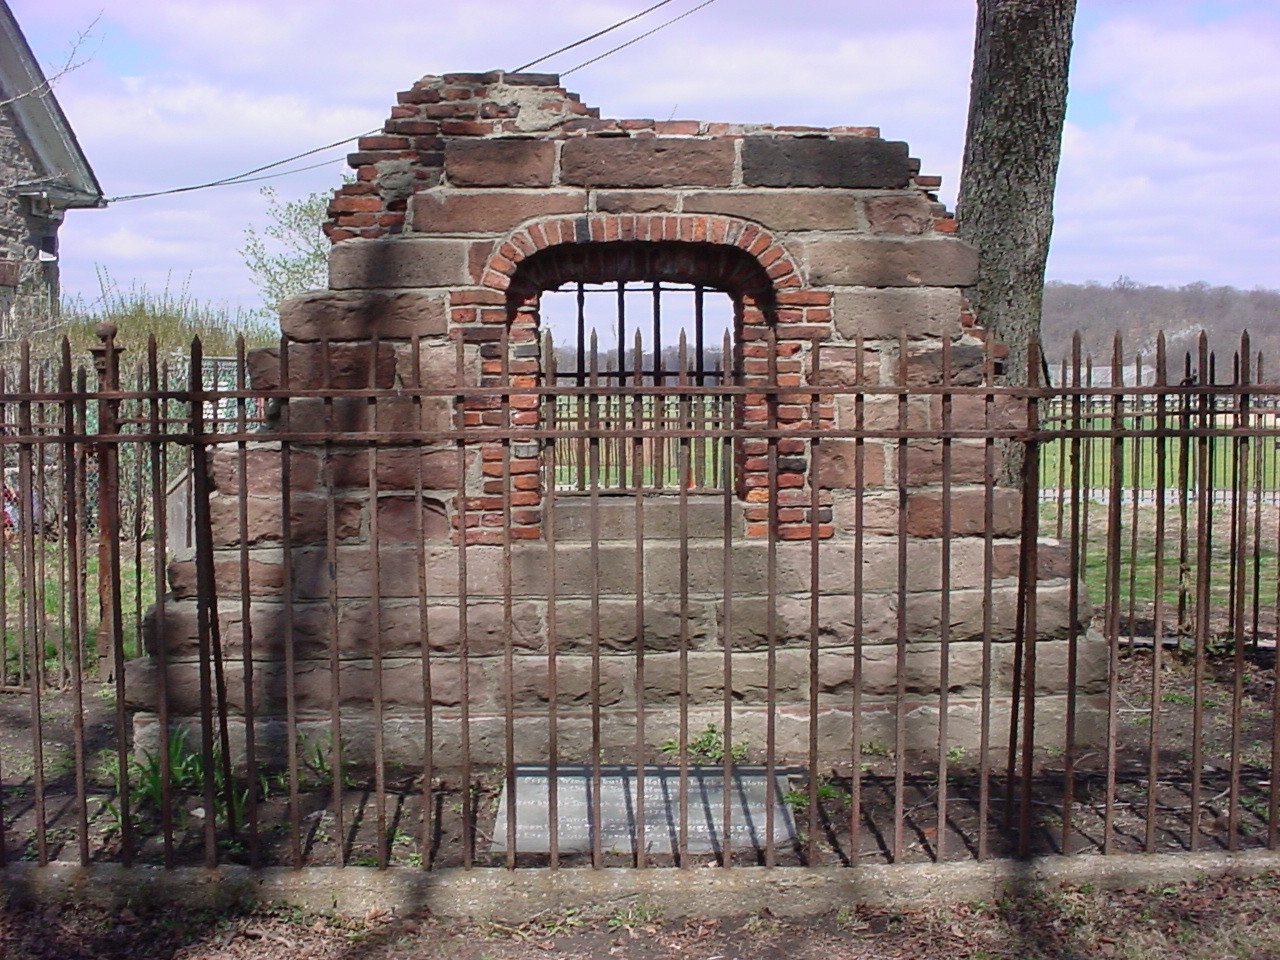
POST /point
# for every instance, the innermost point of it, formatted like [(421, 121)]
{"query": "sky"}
[(1170, 155)]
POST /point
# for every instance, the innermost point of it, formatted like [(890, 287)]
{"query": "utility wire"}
[(282, 173), (598, 33), (248, 175), (623, 46)]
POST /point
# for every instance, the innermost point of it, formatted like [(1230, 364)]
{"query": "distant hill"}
[(1139, 312)]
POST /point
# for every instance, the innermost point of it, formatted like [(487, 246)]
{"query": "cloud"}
[(1165, 186), (1166, 166)]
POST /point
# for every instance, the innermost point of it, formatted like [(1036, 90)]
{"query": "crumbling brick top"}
[(480, 131)]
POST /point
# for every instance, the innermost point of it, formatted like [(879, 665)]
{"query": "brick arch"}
[(781, 323), (776, 269)]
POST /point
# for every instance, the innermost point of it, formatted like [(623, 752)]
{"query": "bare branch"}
[(73, 62)]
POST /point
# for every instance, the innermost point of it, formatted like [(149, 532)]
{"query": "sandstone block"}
[(499, 162), (879, 514), (923, 565), (784, 210), (928, 366), (308, 519), (705, 681), (968, 513), (615, 519), (975, 413), (263, 475), (965, 614), (645, 201), (447, 211), (438, 366), (418, 417), (922, 676), (401, 468), (848, 367), (890, 312), (351, 625), (908, 215), (315, 366), (400, 624), (882, 413), (401, 262), (840, 620), (838, 464), (596, 162), (266, 577), (404, 520), (574, 682), (968, 462), (614, 622), (858, 262), (814, 162), (336, 316), (312, 572), (1053, 559)]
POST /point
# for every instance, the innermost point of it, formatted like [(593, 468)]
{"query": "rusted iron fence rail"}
[(344, 618)]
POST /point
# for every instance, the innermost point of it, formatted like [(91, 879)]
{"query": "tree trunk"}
[(1016, 106)]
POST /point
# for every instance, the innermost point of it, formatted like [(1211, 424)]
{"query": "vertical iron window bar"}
[(671, 309)]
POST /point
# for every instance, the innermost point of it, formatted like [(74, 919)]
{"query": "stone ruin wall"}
[(476, 181)]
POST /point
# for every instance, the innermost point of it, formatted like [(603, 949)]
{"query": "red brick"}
[(805, 298), (465, 128), (678, 128), (804, 532), (419, 95), (414, 128), (354, 205), (383, 143)]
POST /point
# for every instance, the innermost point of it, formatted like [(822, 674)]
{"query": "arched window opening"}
[(633, 356)]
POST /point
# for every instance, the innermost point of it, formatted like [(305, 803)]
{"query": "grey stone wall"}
[(20, 233)]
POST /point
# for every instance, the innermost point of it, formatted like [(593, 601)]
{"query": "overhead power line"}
[(598, 33), (248, 175), (623, 46)]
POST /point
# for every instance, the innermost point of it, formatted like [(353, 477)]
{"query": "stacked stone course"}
[(484, 191)]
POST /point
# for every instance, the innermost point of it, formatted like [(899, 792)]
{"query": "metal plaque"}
[(615, 811)]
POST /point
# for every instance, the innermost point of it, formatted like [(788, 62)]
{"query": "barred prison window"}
[(667, 339)]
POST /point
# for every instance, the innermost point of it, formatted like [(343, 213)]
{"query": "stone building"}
[(476, 586), (43, 173)]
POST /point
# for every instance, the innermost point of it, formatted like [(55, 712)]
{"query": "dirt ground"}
[(1204, 920)]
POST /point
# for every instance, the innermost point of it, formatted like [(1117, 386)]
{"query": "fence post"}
[(1028, 584), (106, 360), (213, 684)]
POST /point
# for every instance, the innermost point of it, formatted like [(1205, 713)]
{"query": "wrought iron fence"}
[(316, 625)]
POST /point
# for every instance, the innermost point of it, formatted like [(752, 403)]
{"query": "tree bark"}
[(1017, 102)]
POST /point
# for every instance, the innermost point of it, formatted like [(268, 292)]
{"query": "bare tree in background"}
[(1017, 102)]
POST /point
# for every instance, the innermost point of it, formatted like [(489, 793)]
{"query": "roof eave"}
[(38, 113)]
